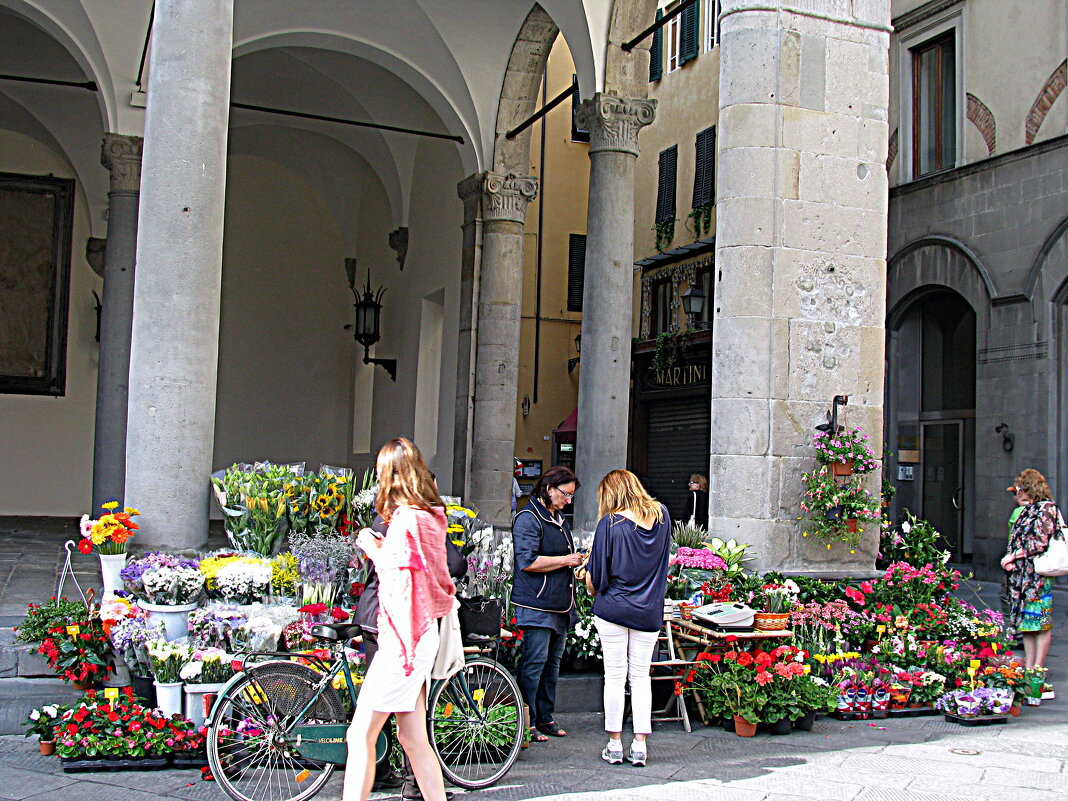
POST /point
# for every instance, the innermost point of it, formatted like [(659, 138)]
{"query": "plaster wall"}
[(46, 443), (560, 209)]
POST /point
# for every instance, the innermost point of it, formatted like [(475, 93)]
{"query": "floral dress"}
[(1031, 595)]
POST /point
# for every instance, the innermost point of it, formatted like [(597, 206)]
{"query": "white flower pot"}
[(111, 564), (169, 697), (198, 700), (175, 618)]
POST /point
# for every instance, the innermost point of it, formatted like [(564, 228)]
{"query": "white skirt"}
[(385, 688)]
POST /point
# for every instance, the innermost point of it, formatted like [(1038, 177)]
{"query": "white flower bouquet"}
[(168, 659), (172, 585)]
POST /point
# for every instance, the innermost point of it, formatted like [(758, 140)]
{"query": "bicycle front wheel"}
[(475, 718), (249, 752)]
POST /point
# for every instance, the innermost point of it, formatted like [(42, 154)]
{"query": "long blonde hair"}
[(403, 479), (620, 491)]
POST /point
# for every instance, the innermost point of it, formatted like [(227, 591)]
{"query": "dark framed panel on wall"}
[(36, 218)]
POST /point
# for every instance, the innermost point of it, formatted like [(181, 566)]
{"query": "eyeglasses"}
[(568, 495)]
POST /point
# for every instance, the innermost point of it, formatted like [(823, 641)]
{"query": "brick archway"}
[(1051, 90)]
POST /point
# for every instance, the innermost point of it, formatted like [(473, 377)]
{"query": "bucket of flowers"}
[(108, 537), (692, 572), (167, 587), (205, 674), (236, 578), (168, 659)]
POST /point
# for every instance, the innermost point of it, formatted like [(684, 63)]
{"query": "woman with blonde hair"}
[(415, 591), (627, 571), (1031, 595)]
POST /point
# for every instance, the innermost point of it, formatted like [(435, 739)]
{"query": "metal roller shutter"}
[(679, 434)]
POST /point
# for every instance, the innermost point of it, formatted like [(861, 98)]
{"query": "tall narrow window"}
[(576, 271), (711, 24), (660, 307), (688, 25), (934, 106), (704, 175), (665, 185), (673, 31), (656, 51)]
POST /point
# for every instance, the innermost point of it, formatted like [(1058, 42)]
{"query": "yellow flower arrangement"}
[(284, 574)]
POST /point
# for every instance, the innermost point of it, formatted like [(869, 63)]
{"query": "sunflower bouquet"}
[(109, 534)]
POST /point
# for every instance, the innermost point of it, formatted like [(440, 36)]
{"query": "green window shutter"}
[(665, 185), (656, 51), (688, 32), (576, 270), (704, 179)]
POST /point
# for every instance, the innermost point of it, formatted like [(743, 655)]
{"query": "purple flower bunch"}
[(700, 558), (136, 568)]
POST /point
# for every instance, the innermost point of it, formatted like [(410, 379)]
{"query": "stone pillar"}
[(122, 156), (604, 382), (500, 293), (470, 192), (174, 354), (800, 262)]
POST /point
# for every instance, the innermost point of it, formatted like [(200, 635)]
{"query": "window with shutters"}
[(711, 23), (704, 280), (576, 270), (688, 25), (660, 307), (665, 185), (672, 36), (704, 174), (656, 51), (577, 134)]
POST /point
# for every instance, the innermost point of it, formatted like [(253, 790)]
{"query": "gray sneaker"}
[(638, 755), (613, 755)]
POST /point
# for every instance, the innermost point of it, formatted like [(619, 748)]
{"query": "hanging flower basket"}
[(842, 468)]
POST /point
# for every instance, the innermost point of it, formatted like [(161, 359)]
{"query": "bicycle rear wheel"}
[(249, 752), (475, 718)]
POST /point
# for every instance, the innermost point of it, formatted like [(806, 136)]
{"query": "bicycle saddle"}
[(335, 632)]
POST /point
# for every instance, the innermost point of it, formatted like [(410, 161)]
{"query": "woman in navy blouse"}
[(627, 571)]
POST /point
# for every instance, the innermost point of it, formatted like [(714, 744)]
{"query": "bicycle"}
[(277, 729)]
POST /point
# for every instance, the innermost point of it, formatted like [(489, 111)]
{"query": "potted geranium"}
[(41, 722), (168, 658), (108, 537), (734, 683), (79, 651)]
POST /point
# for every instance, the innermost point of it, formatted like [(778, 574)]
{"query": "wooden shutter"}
[(688, 32), (656, 51), (576, 271), (665, 186), (680, 431), (704, 176)]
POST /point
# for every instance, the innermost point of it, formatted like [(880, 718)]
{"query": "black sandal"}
[(538, 737), (550, 729)]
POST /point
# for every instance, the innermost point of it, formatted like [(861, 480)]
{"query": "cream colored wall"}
[(563, 200), (687, 103), (1010, 49), (46, 443)]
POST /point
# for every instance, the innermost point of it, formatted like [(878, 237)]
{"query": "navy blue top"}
[(628, 567)]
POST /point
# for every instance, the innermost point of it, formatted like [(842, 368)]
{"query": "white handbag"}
[(450, 656), (1054, 562)]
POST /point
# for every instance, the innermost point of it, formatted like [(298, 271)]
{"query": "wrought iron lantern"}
[(368, 330)]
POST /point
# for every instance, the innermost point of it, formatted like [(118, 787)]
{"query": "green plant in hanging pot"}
[(838, 512)]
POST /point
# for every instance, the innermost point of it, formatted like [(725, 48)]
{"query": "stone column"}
[(122, 156), (800, 254), (500, 293), (604, 382), (470, 192), (174, 354)]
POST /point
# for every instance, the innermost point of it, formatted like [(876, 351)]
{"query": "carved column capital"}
[(505, 197), (614, 122), (122, 156)]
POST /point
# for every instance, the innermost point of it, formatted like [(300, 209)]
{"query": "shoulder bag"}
[(1054, 561)]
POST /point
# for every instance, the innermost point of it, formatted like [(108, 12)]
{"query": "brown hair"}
[(403, 479), (553, 477), (620, 490), (1034, 484), (700, 481)]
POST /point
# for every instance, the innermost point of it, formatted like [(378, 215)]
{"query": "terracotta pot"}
[(1014, 710), (851, 525), (842, 468), (84, 685), (743, 728), (48, 747)]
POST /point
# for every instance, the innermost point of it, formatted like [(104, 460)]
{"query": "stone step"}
[(18, 697)]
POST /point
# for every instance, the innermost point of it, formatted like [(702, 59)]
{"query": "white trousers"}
[(627, 655)]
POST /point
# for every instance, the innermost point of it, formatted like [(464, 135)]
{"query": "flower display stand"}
[(93, 764), (175, 618)]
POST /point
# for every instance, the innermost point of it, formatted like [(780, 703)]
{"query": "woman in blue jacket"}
[(543, 592), (627, 571)]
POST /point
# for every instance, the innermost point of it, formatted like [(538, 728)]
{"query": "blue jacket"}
[(535, 533), (628, 567)]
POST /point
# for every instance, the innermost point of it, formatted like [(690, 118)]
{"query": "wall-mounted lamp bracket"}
[(390, 365)]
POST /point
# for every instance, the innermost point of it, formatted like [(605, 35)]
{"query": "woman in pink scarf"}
[(415, 590)]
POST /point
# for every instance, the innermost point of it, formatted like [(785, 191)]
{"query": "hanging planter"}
[(842, 468), (851, 525)]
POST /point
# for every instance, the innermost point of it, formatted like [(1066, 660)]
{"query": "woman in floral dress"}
[(1031, 595)]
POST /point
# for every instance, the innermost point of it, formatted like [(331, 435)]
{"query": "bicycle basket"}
[(481, 616)]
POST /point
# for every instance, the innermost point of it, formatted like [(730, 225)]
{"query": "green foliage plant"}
[(664, 232), (53, 613), (689, 536)]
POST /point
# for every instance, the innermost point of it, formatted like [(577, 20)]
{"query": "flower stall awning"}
[(566, 431)]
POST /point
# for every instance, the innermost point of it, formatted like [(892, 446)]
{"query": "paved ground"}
[(917, 759)]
